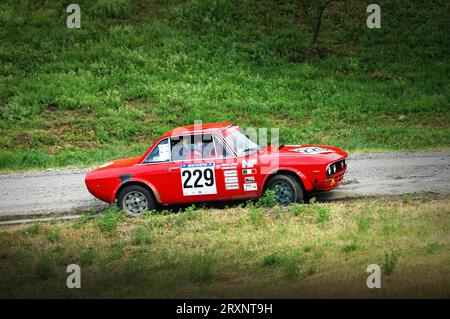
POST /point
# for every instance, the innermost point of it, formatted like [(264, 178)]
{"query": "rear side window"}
[(160, 153)]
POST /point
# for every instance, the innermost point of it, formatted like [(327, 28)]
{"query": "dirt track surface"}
[(376, 174)]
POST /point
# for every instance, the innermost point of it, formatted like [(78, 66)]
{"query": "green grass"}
[(45, 267), (87, 257), (141, 236), (201, 267), (364, 221), (289, 264), (349, 247), (53, 235), (323, 214), (34, 229), (222, 253), (136, 69), (107, 222), (81, 221), (268, 199), (389, 262), (432, 247)]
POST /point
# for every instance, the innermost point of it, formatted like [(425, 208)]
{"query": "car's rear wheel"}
[(135, 200), (287, 189)]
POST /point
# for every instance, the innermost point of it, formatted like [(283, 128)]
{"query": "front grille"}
[(335, 167)]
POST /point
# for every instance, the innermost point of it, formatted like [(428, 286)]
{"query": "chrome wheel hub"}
[(135, 203)]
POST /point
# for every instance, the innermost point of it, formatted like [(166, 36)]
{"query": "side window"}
[(192, 147), (221, 150), (181, 147), (160, 153), (207, 146)]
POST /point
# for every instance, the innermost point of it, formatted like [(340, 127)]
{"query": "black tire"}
[(287, 189), (139, 200)]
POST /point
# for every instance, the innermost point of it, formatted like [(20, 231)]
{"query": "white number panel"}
[(198, 179)]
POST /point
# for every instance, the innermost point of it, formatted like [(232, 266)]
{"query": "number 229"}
[(207, 174)]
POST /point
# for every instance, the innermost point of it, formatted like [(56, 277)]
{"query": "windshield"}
[(240, 142)]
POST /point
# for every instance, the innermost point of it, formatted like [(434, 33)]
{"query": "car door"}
[(237, 177), (193, 170)]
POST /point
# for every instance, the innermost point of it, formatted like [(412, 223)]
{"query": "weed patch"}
[(363, 222), (45, 267), (87, 257), (289, 264), (269, 199), (80, 222), (350, 247), (107, 222), (389, 262), (141, 236), (256, 217), (432, 247), (201, 267), (34, 229), (53, 235)]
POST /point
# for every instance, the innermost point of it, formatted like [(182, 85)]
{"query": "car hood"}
[(123, 162), (320, 153)]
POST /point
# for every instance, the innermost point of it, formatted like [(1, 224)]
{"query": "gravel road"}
[(59, 192)]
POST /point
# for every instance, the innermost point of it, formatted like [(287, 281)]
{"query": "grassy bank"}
[(136, 69), (316, 250)]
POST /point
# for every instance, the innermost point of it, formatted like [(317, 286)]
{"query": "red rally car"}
[(215, 162)]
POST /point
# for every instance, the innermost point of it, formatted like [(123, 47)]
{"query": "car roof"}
[(201, 128)]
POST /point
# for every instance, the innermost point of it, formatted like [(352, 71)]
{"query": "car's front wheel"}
[(287, 189), (135, 200)]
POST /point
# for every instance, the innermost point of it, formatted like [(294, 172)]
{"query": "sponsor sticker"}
[(198, 179), (230, 173), (250, 179), (250, 187), (231, 180), (249, 171), (249, 163), (164, 152), (229, 166), (209, 164), (310, 150), (232, 186)]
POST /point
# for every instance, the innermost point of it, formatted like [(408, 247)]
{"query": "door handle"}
[(173, 168)]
